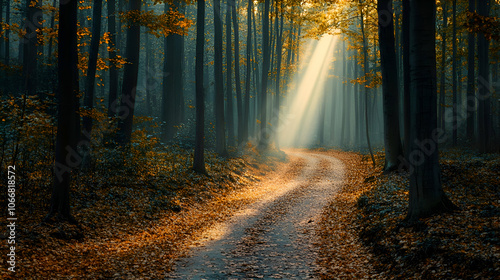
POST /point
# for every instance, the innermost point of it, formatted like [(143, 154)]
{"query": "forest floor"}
[(346, 216)]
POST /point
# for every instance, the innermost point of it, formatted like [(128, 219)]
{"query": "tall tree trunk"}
[(29, 41), (52, 21), (113, 73), (239, 102), (92, 64), (127, 102), (7, 34), (345, 82), (406, 76), (229, 79), (365, 68), (220, 130), (484, 118), (426, 194), (199, 149), (246, 114), (442, 89), (172, 81), (148, 70), (454, 70), (66, 157), (2, 45), (471, 87), (264, 134), (279, 47), (390, 87)]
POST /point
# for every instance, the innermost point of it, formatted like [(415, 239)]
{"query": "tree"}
[(220, 125), (129, 87), (229, 78), (442, 89), (264, 135), (366, 70), (113, 73), (239, 105), (172, 80), (454, 75), (199, 149), (67, 118), (426, 194), (392, 137), (470, 74), (92, 64), (484, 119), (246, 114), (406, 76)]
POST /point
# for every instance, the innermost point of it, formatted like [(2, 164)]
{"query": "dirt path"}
[(273, 237)]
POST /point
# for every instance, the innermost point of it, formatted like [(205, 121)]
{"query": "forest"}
[(283, 139)]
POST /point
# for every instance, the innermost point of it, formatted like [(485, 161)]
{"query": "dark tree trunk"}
[(454, 70), (471, 87), (442, 89), (406, 76), (66, 158), (129, 87), (52, 21), (390, 79), (92, 64), (264, 134), (278, 73), (246, 114), (199, 150), (29, 41), (113, 73), (229, 79), (239, 102), (484, 118), (172, 81), (366, 70), (220, 124), (345, 82), (7, 34), (426, 194), (2, 45)]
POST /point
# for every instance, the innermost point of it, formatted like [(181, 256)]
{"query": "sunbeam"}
[(304, 105)]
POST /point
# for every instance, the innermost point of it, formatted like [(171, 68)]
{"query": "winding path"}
[(274, 237)]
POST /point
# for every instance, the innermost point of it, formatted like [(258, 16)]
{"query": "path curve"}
[(274, 237)]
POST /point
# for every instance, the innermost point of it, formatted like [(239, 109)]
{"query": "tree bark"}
[(129, 87), (113, 73), (365, 69), (220, 125), (484, 118), (246, 114), (426, 194), (406, 76), (229, 79), (7, 34), (471, 87), (92, 64), (199, 149), (390, 87), (239, 101), (66, 157), (442, 89), (264, 134), (454, 70)]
